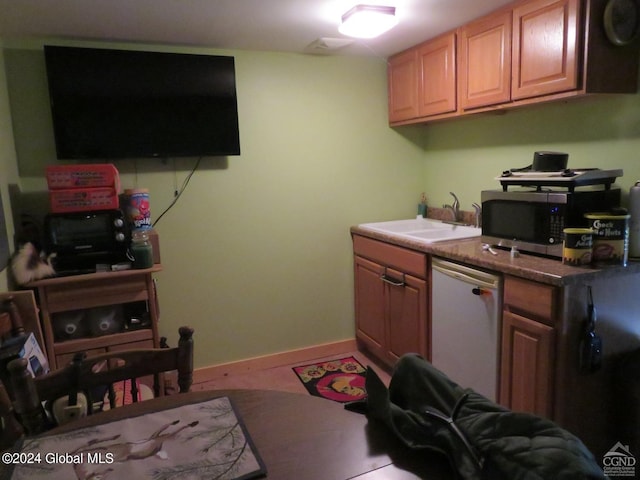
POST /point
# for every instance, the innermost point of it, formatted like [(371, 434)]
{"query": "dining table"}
[(299, 436)]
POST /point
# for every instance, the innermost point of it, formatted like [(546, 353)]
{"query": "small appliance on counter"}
[(535, 206), (82, 240)]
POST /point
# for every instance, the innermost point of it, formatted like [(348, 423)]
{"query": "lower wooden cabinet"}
[(370, 305), (527, 365), (390, 304), (82, 293), (407, 314), (393, 318), (528, 346), (541, 328)]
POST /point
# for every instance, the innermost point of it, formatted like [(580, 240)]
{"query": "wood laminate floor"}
[(282, 378)]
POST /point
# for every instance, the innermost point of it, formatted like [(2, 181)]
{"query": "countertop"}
[(531, 267)]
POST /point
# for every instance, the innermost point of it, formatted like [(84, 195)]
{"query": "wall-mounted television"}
[(109, 103)]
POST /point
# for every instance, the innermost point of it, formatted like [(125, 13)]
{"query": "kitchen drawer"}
[(405, 260), (95, 293), (534, 299), (104, 341)]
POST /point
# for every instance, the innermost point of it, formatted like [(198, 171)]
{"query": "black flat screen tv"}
[(126, 104)]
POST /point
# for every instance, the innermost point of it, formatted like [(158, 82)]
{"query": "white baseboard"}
[(205, 374)]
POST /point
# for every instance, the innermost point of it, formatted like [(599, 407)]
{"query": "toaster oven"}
[(82, 240)]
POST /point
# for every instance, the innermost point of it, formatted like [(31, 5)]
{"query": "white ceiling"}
[(278, 25)]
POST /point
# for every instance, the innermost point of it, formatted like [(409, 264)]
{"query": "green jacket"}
[(482, 440)]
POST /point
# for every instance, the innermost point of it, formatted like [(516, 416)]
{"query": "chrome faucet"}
[(455, 208), (478, 214)]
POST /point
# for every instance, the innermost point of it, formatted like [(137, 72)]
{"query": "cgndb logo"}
[(619, 461)]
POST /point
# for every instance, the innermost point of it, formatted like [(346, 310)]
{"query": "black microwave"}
[(534, 221), (82, 240)]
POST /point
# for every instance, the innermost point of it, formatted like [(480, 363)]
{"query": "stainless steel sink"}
[(424, 230)]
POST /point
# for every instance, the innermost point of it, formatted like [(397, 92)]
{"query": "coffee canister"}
[(610, 237), (577, 246), (137, 208)]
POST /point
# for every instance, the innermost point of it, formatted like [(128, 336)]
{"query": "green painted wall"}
[(257, 252), (465, 156), (8, 165)]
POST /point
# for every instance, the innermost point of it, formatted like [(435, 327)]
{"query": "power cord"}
[(178, 193)]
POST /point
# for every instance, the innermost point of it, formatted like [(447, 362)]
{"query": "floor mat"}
[(340, 380)]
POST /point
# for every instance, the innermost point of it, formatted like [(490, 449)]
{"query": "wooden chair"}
[(12, 336), (84, 375)]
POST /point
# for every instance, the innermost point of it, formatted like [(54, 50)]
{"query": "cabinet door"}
[(407, 313), (370, 305), (485, 61), (545, 47), (437, 70), (403, 86), (527, 365)]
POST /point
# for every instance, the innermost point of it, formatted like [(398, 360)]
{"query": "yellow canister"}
[(610, 237), (577, 246)]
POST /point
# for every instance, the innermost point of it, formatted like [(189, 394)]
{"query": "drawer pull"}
[(392, 281)]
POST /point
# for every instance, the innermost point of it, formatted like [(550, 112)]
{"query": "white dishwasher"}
[(465, 325)]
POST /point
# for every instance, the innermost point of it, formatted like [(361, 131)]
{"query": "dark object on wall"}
[(120, 103), (622, 21)]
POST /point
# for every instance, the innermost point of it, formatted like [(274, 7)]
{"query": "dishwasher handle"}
[(479, 291), (466, 274)]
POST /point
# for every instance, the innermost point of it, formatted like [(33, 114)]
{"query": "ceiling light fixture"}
[(368, 21)]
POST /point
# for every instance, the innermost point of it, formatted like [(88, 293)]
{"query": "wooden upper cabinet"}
[(437, 85), (403, 75), (545, 47), (527, 52), (484, 63)]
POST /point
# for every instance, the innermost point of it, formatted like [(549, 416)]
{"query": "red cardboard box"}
[(83, 176), (83, 199)]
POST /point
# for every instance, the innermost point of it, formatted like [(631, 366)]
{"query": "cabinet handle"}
[(393, 281)]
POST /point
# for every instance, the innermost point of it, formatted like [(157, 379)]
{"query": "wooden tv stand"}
[(77, 292)]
